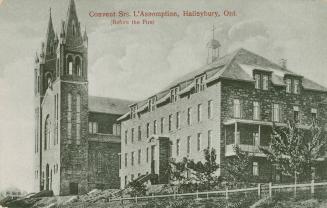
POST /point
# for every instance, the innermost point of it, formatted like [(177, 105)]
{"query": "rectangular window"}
[(151, 104), (126, 159), (162, 124), (288, 85), (256, 141), (132, 158), (188, 145), (177, 147), (139, 133), (296, 87), (170, 120), (209, 138), (199, 112), (314, 113), (147, 130), (132, 135), (275, 113), (93, 127), (296, 114), (255, 169), (265, 82), (133, 111), (126, 132), (256, 110), (257, 81), (199, 83), (210, 107), (139, 157), (237, 108), (155, 127), (174, 94), (199, 138), (189, 112), (177, 120), (147, 154)]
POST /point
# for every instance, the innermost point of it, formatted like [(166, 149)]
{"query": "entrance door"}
[(73, 188)]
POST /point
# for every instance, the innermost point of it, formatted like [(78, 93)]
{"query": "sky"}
[(135, 61)]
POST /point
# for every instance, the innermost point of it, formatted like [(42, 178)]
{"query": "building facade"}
[(77, 139), (233, 100)]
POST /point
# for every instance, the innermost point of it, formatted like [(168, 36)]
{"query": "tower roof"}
[(50, 35), (213, 44)]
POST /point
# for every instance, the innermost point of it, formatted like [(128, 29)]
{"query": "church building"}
[(77, 138)]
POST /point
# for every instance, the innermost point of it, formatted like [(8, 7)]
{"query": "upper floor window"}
[(276, 113), (170, 120), (199, 138), (155, 127), (70, 65), (147, 130), (78, 66), (132, 135), (210, 107), (177, 120), (126, 132), (126, 159), (188, 145), (199, 83), (199, 112), (265, 82), (288, 85), (255, 167), (314, 113), (189, 116), (296, 86), (93, 127), (237, 108), (47, 133), (139, 134), (256, 110), (162, 124), (139, 156), (133, 111), (116, 129), (257, 81), (132, 158), (177, 147), (151, 104), (174, 94)]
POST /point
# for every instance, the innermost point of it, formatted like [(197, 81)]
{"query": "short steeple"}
[(50, 37), (213, 48)]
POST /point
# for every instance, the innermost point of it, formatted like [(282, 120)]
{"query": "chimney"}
[(283, 63)]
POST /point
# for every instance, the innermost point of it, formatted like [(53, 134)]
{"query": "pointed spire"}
[(85, 35), (72, 26), (49, 40)]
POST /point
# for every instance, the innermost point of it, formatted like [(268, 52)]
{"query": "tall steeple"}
[(72, 26), (50, 37), (213, 48)]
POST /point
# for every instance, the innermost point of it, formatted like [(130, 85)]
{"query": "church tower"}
[(213, 48), (61, 110)]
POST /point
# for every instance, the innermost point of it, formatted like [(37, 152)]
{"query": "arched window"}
[(69, 65), (78, 119), (69, 116), (47, 133), (78, 66)]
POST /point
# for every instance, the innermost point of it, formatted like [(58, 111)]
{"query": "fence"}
[(308, 189)]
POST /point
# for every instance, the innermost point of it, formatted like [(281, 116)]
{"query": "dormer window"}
[(265, 82), (257, 81), (173, 94), (133, 111), (151, 104), (288, 85), (296, 86), (199, 83), (292, 85), (261, 80)]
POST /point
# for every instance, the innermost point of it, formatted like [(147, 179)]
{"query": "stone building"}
[(234, 99), (77, 139)]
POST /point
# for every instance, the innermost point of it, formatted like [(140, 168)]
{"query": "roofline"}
[(92, 111)]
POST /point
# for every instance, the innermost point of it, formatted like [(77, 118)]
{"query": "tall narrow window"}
[(47, 133), (189, 114), (132, 158), (288, 85), (199, 138), (275, 113), (126, 159), (296, 87), (132, 135), (174, 94), (199, 83), (256, 141), (69, 117), (155, 127), (162, 124), (99, 162), (151, 104), (139, 134), (139, 156), (147, 130), (296, 114), (257, 81), (255, 169), (265, 82), (177, 147), (177, 120), (199, 112), (209, 138), (256, 110), (147, 154), (314, 113), (188, 144), (78, 119), (133, 111), (170, 120), (78, 64), (70, 65), (126, 132), (237, 108), (210, 106)]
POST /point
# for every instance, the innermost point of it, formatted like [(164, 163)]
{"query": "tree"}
[(238, 168), (293, 150)]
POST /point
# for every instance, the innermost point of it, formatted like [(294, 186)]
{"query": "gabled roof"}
[(238, 65), (108, 105)]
